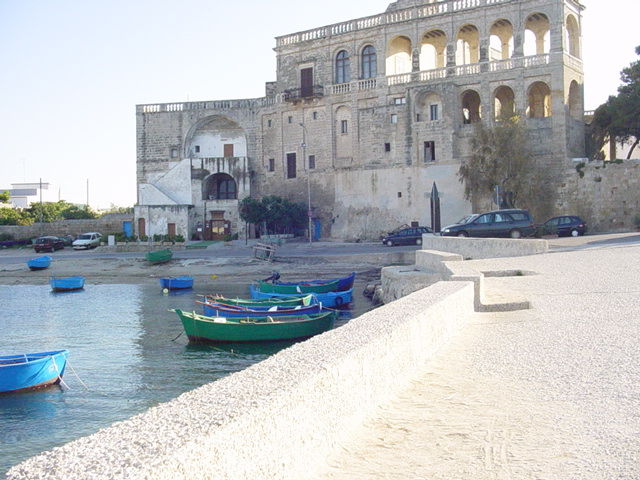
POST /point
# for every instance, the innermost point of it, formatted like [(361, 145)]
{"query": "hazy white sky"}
[(73, 71)]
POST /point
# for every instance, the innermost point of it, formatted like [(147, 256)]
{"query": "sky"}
[(72, 72)]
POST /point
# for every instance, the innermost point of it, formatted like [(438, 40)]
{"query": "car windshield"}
[(84, 237), (467, 218)]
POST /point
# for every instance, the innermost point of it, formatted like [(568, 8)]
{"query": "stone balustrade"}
[(387, 18)]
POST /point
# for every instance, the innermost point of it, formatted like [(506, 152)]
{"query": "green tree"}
[(11, 216), (501, 156), (46, 212), (278, 214), (252, 210), (73, 212), (618, 119), (4, 197)]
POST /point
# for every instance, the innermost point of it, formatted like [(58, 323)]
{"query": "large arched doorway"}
[(220, 186), (504, 103), (539, 100), (471, 107), (398, 56)]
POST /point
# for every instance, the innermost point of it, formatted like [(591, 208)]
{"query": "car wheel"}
[(515, 234), (418, 241), (462, 234), (389, 243), (575, 233)]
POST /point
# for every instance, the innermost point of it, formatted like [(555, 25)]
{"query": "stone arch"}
[(501, 40), (574, 101), (219, 186), (539, 96), (468, 45), (572, 31), (537, 35), (433, 50), (211, 136), (429, 106), (503, 102), (399, 58), (471, 107)]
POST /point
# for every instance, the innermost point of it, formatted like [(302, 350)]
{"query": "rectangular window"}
[(387, 147), (418, 117), (291, 165), (394, 118), (269, 123), (434, 112), (290, 119), (197, 148), (315, 115), (174, 152), (400, 101), (429, 151), (312, 162), (272, 164), (344, 126)]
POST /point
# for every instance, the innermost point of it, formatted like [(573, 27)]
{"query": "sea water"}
[(127, 354)]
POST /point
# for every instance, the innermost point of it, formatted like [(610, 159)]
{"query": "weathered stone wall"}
[(104, 225), (606, 196)]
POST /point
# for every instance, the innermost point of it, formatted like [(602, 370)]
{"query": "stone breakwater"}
[(279, 418)]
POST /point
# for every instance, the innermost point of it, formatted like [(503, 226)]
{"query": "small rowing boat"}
[(31, 370), (66, 284), (39, 263)]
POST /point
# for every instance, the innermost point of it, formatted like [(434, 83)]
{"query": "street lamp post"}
[(306, 162)]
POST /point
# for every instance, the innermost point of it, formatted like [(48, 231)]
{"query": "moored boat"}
[(212, 309), (344, 283), (298, 288), (200, 328), (266, 303), (159, 256), (66, 284), (176, 283), (328, 299), (31, 370), (39, 263)]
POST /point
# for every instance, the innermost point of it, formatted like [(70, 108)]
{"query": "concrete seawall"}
[(277, 419)]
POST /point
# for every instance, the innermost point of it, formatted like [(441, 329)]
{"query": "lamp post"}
[(306, 162)]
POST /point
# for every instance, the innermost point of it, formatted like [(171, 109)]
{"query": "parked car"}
[(87, 240), (47, 244), (405, 236), (512, 223), (67, 240), (564, 225)]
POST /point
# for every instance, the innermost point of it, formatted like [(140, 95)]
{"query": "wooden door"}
[(218, 225), (228, 150), (141, 227), (306, 82), (171, 229)]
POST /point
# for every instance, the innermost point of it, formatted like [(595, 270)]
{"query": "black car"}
[(405, 236), (564, 225), (67, 240), (512, 223), (47, 244)]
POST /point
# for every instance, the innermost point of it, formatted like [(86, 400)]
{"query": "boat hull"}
[(39, 263), (66, 284), (176, 283), (298, 288), (31, 371), (159, 256), (328, 300), (200, 328), (217, 310), (344, 283), (264, 303)]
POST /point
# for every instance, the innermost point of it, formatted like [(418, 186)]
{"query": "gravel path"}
[(548, 393)]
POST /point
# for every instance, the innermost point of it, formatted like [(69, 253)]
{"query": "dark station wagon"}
[(513, 223), (405, 236)]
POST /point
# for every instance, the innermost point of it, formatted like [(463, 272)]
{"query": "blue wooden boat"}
[(344, 283), (176, 283), (66, 284), (212, 309), (329, 299), (31, 370), (39, 263)]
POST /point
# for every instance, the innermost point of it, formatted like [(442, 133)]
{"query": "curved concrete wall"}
[(276, 419)]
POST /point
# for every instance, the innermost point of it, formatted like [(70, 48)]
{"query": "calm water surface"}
[(120, 339)]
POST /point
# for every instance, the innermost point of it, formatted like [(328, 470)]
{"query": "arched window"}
[(537, 34), (504, 104), (369, 62), (467, 45), (573, 36), (501, 40), (471, 107), (399, 56), (220, 186), (343, 67), (433, 50)]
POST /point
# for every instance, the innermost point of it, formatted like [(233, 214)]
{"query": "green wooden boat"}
[(304, 301), (253, 329), (159, 256), (266, 287)]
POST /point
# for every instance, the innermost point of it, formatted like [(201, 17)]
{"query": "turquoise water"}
[(122, 347)]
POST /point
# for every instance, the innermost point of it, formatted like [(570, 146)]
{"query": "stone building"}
[(365, 116)]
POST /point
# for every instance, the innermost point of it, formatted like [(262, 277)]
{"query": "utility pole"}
[(40, 200), (87, 194), (306, 162)]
